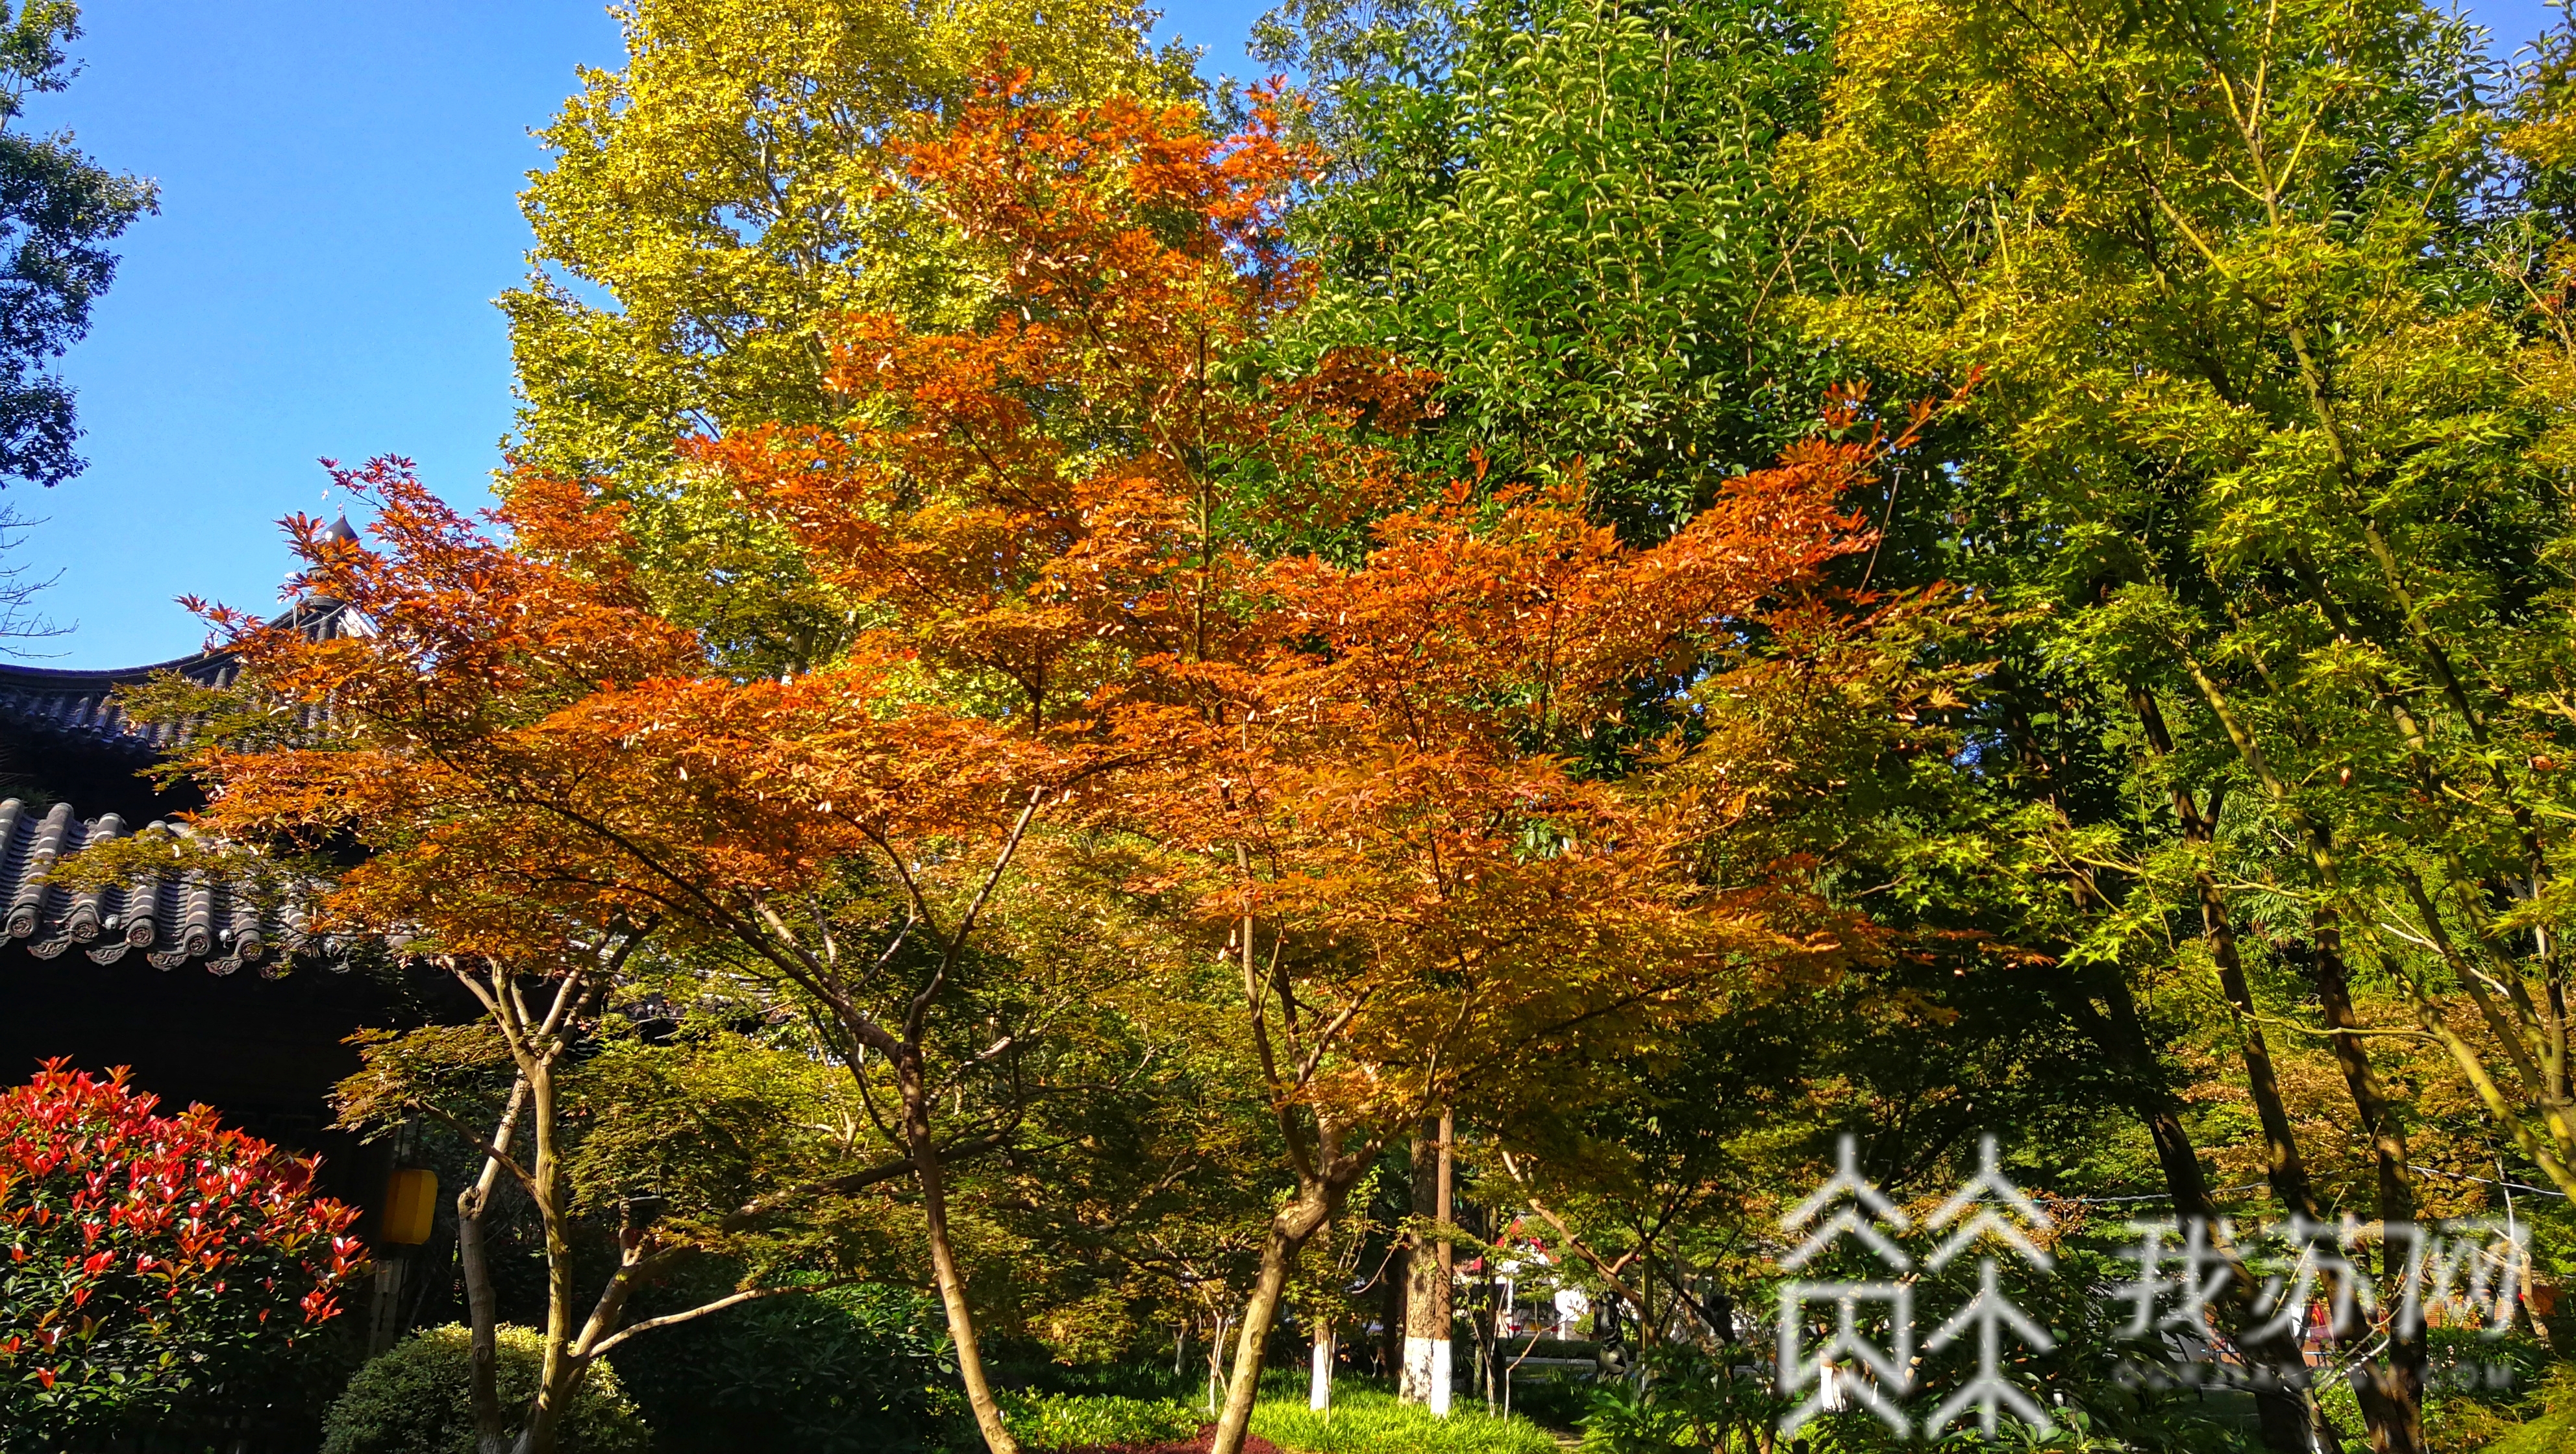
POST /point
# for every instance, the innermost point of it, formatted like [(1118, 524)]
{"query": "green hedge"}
[(1082, 1421), (415, 1399), (845, 1370)]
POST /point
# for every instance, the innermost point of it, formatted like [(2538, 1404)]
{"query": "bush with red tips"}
[(138, 1250)]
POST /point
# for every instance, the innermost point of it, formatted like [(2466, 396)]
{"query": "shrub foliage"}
[(413, 1399), (143, 1248)]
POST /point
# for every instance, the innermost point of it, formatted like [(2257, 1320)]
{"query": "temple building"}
[(203, 994)]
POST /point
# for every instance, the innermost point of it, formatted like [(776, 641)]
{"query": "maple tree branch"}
[(868, 1101), (919, 906), (497, 1155), (916, 1014), (818, 979), (1324, 1039), (567, 994), (855, 1181), (514, 1002), (715, 910), (730, 1300), (1607, 1271), (475, 988)]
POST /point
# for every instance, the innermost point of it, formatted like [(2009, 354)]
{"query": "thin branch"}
[(748, 1294)]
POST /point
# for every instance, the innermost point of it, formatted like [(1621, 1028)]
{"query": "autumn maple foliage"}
[(1072, 543), (1439, 889), (140, 1245), (532, 758)]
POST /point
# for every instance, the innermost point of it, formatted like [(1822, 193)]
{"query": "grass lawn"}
[(1367, 1421)]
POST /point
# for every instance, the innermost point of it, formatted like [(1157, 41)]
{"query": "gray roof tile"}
[(171, 920)]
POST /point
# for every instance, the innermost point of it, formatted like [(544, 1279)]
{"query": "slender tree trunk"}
[(483, 1385), (483, 1392), (1489, 1312), (1427, 1288), (556, 1373), (2284, 1404), (2390, 1395), (1397, 1278), (1444, 1295), (1290, 1230), (943, 1257), (2283, 1166), (1319, 1387), (2390, 1391), (1216, 1364)]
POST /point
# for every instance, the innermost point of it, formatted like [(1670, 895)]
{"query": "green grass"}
[(1078, 1421), (1365, 1421)]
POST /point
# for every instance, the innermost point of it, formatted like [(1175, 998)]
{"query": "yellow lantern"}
[(411, 1200)]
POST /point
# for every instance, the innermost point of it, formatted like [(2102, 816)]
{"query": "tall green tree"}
[(59, 210), (2268, 449), (1567, 210)]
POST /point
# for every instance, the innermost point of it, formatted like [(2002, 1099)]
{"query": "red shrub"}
[(136, 1249)]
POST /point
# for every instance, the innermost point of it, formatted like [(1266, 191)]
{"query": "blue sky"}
[(338, 209)]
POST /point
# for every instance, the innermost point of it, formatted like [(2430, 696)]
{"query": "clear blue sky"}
[(338, 182)]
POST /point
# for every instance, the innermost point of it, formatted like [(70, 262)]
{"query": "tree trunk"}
[(2283, 1166), (1319, 1387), (1427, 1284), (1488, 1319), (483, 1386), (2390, 1392), (943, 1258), (1444, 1295), (556, 1374), (1395, 1277), (483, 1393), (1289, 1231), (2284, 1404), (1216, 1364)]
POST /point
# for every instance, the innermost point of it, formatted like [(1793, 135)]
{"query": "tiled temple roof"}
[(80, 706), (171, 920), (78, 703)]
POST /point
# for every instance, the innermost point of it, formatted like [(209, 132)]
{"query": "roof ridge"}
[(79, 702)]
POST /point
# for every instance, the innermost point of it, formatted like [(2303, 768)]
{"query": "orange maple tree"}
[(1430, 898), (536, 764), (1066, 537)]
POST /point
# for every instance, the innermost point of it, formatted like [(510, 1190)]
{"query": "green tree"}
[(58, 212), (2269, 450), (714, 209), (1567, 210)]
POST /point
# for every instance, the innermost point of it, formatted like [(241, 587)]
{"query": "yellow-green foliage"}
[(717, 205), (1079, 1421), (2551, 1420)]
